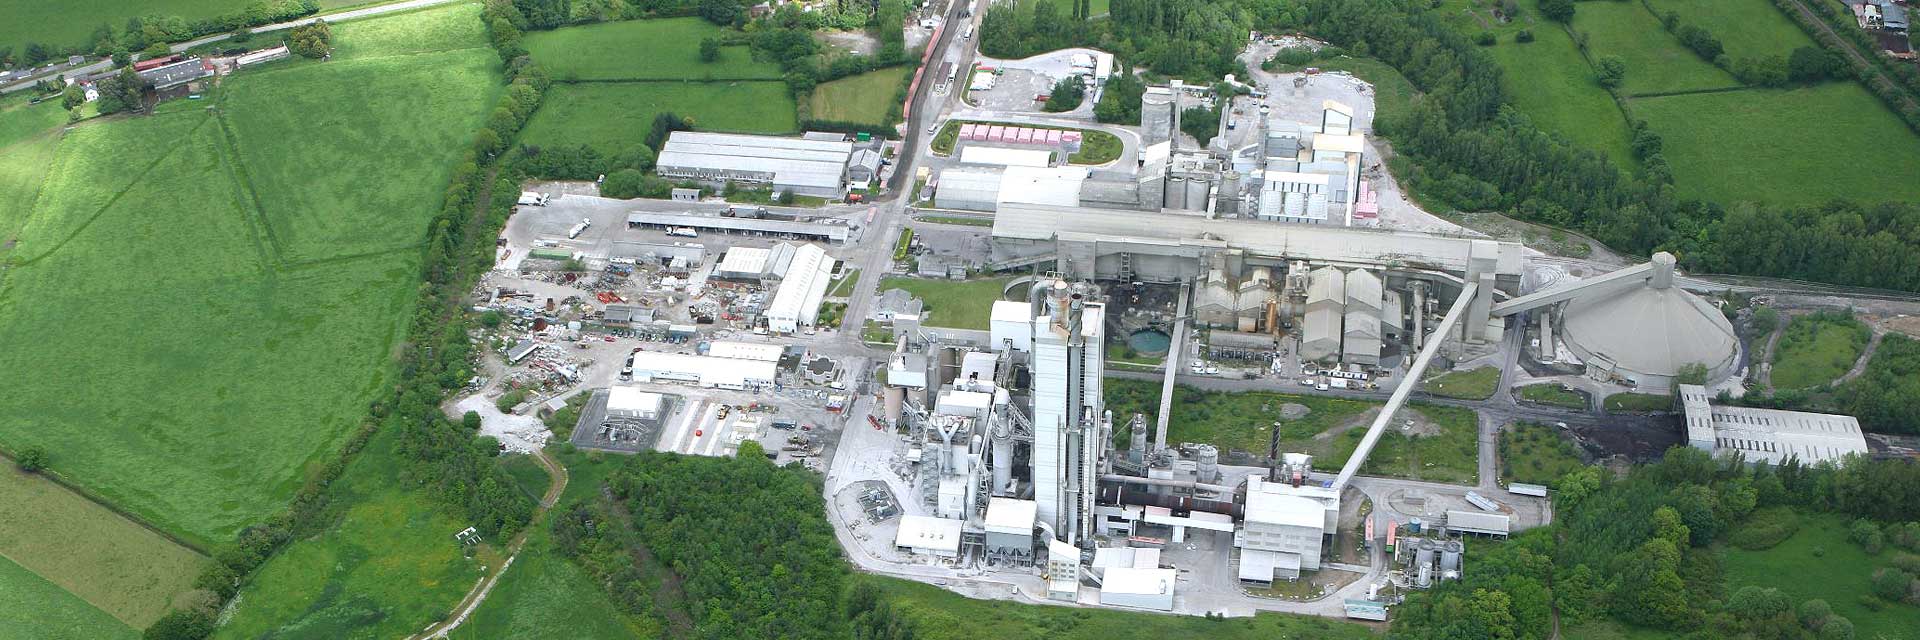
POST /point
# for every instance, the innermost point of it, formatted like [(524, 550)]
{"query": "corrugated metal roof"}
[(1476, 522), (1042, 185), (798, 299), (816, 229), (1006, 157)]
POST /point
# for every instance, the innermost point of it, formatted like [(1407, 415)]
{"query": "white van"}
[(967, 33)]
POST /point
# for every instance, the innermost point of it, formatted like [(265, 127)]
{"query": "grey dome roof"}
[(1651, 331)]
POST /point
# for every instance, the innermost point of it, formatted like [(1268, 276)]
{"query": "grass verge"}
[(954, 304), (1817, 349), (1639, 402), (1473, 384)]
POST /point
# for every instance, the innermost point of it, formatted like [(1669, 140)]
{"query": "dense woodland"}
[(1636, 550)]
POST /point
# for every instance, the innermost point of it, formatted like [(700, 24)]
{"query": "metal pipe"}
[(1408, 381), (1163, 482)]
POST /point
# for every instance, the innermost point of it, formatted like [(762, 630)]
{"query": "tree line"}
[(1463, 144), (1635, 550), (444, 460), (151, 34)]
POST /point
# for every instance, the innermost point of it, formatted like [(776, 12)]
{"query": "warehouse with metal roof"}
[(832, 231), (1326, 308), (1768, 435), (792, 165), (797, 301)]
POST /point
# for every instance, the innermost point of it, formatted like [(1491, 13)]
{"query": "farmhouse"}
[(789, 165)]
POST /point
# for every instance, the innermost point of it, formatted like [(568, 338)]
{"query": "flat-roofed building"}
[(632, 403), (1768, 435), (1141, 588), (927, 535), (704, 371), (797, 301), (755, 351), (1281, 535), (791, 165), (1006, 157)]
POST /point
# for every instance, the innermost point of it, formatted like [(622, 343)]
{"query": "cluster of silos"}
[(1159, 114), (1188, 193), (1433, 560)]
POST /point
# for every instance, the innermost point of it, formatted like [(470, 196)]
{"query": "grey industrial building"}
[(1770, 436), (788, 165)]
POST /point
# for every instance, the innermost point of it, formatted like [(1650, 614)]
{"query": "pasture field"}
[(1825, 565), (119, 567), (20, 121), (667, 49), (612, 116), (28, 139), (388, 567), (865, 98), (546, 596), (450, 27), (1777, 145), (1747, 28), (40, 610), (1473, 384), (954, 304), (1549, 81), (1816, 349), (201, 367), (939, 614), (71, 22), (1656, 62), (1535, 454)]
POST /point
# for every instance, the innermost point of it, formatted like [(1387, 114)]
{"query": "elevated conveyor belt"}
[(1407, 383)]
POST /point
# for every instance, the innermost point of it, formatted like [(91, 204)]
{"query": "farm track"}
[(1859, 59), (115, 199), (260, 230), (480, 590)]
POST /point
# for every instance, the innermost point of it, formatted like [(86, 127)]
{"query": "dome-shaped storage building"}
[(1646, 333)]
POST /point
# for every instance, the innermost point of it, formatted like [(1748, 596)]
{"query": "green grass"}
[(19, 122), (121, 568), (176, 256), (1639, 402), (939, 614), (1117, 352), (667, 49), (1817, 349), (528, 476), (388, 567), (71, 22), (451, 27), (1234, 420), (1549, 81), (23, 167), (615, 116), (865, 98), (1777, 145), (1656, 61), (1553, 393), (1473, 384), (1536, 454), (1747, 28), (1450, 456), (40, 610), (961, 220), (1097, 147), (1819, 562), (545, 595), (1607, 629), (1099, 7), (954, 304), (848, 282)]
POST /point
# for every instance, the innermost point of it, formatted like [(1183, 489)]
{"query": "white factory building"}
[(1326, 311), (703, 371), (1139, 588), (788, 165), (1282, 532), (1768, 435), (797, 302), (1063, 332), (929, 536), (632, 403)]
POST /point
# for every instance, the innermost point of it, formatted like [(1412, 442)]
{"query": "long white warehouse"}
[(705, 371), (805, 167), (797, 301)]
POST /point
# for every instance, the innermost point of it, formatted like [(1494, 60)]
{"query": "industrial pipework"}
[(1407, 383)]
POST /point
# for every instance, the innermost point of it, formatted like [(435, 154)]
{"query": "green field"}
[(612, 116), (1820, 562), (1473, 384), (939, 614), (667, 49), (1536, 454), (121, 568), (865, 98), (20, 121), (545, 595), (1451, 456), (1554, 393), (1549, 81), (954, 304), (1747, 28), (71, 22), (1777, 145), (29, 137), (1817, 349), (1656, 61), (388, 567), (170, 270), (40, 610), (1638, 402), (442, 29)]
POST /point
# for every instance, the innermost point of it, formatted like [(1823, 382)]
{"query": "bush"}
[(181, 625), (1892, 584), (1485, 39), (510, 399), (1815, 613), (625, 183), (1525, 35), (1865, 533), (310, 40), (1557, 10), (1837, 628), (470, 420), (31, 459)]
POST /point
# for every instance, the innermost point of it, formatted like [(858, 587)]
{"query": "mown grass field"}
[(119, 567), (954, 304), (865, 98), (667, 49), (612, 116), (1778, 145), (440, 29), (166, 345), (40, 610), (546, 596), (1099, 7), (1549, 81), (1535, 454), (388, 567), (1472, 384), (20, 121), (1236, 420), (29, 136), (1747, 28), (944, 615), (1656, 61), (1822, 563), (1817, 349)]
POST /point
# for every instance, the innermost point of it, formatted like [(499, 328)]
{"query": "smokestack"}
[(1662, 271), (1273, 452)]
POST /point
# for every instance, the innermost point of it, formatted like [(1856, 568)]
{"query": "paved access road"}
[(343, 16)]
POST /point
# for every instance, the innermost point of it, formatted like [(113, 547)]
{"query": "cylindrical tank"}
[(1425, 578), (1208, 465), (896, 399), (1229, 198), (1176, 195), (1002, 458), (1413, 526), (1197, 194)]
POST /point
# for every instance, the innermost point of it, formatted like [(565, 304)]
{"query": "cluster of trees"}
[(1120, 100), (1633, 550), (437, 357), (748, 542), (1066, 95), (1197, 39), (152, 33), (549, 14), (1201, 123), (121, 92), (311, 40), (1886, 397), (1805, 65)]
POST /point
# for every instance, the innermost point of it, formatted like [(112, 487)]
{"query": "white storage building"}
[(1142, 588), (1769, 435), (968, 188), (630, 402), (1010, 524), (1281, 535), (797, 165), (746, 351), (1326, 306), (1006, 157), (744, 263), (797, 302), (927, 535), (705, 371)]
